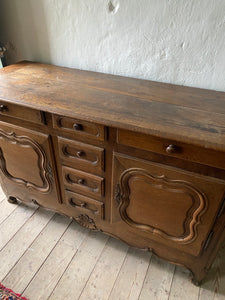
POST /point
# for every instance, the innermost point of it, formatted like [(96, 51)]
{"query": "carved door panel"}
[(25, 164), (166, 204)]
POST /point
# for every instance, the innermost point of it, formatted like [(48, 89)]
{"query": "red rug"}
[(7, 294)]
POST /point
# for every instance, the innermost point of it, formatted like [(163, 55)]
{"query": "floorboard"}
[(46, 256)]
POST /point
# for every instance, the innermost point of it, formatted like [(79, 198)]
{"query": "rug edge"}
[(11, 291)]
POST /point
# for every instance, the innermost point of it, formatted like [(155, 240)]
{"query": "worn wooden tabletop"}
[(179, 113)]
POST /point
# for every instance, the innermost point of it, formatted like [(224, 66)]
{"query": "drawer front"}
[(21, 112), (81, 156), (83, 183), (79, 127), (83, 204), (171, 148), (169, 205)]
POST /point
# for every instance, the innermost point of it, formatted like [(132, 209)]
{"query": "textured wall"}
[(176, 41)]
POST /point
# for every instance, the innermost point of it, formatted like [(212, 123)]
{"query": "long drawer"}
[(171, 148), (21, 112)]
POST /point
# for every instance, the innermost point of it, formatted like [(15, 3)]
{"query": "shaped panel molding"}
[(44, 168), (194, 208)]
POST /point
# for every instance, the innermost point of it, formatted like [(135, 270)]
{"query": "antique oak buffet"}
[(140, 160)]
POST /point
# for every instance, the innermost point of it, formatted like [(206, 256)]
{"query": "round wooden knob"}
[(81, 181), (77, 126), (171, 149), (80, 153), (3, 108)]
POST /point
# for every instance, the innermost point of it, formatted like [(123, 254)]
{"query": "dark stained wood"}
[(21, 112), (176, 207), (85, 205), (81, 156), (26, 163), (82, 182), (57, 91), (171, 148), (139, 160), (79, 127)]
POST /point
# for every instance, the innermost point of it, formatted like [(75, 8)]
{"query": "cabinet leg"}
[(196, 282), (12, 200), (199, 276)]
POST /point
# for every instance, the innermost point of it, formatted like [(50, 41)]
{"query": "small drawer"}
[(171, 148), (21, 112), (83, 183), (79, 127), (81, 156), (85, 204)]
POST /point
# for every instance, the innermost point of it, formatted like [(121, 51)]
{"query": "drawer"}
[(79, 127), (171, 148), (21, 112), (81, 156), (83, 204), (83, 183)]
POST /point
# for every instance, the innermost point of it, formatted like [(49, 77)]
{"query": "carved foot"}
[(196, 282), (199, 276), (12, 200)]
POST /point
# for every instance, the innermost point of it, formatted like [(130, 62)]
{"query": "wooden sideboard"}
[(140, 160)]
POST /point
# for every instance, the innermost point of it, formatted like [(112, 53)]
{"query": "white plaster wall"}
[(176, 41)]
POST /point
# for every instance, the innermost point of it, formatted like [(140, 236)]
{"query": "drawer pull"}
[(3, 108), (78, 127), (80, 153), (66, 153), (81, 181), (171, 149), (71, 181), (82, 205)]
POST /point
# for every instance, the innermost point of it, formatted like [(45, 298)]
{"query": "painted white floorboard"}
[(102, 279), (49, 274), (158, 280), (214, 285), (6, 209), (14, 222), (2, 195), (182, 287), (77, 274), (34, 257), (15, 248), (129, 282)]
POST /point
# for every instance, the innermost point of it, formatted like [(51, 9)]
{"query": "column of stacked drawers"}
[(82, 166)]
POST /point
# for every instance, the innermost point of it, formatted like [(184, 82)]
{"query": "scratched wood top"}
[(179, 113)]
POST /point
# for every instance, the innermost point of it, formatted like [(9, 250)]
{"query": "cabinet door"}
[(166, 204), (25, 164)]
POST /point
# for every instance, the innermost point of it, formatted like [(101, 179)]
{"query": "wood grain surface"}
[(176, 112)]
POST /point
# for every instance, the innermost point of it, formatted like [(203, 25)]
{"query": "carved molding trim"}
[(44, 168), (86, 221), (193, 216)]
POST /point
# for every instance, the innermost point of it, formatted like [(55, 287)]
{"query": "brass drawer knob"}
[(3, 108), (171, 149), (78, 127)]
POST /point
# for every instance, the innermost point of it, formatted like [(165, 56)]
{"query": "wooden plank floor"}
[(46, 256)]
